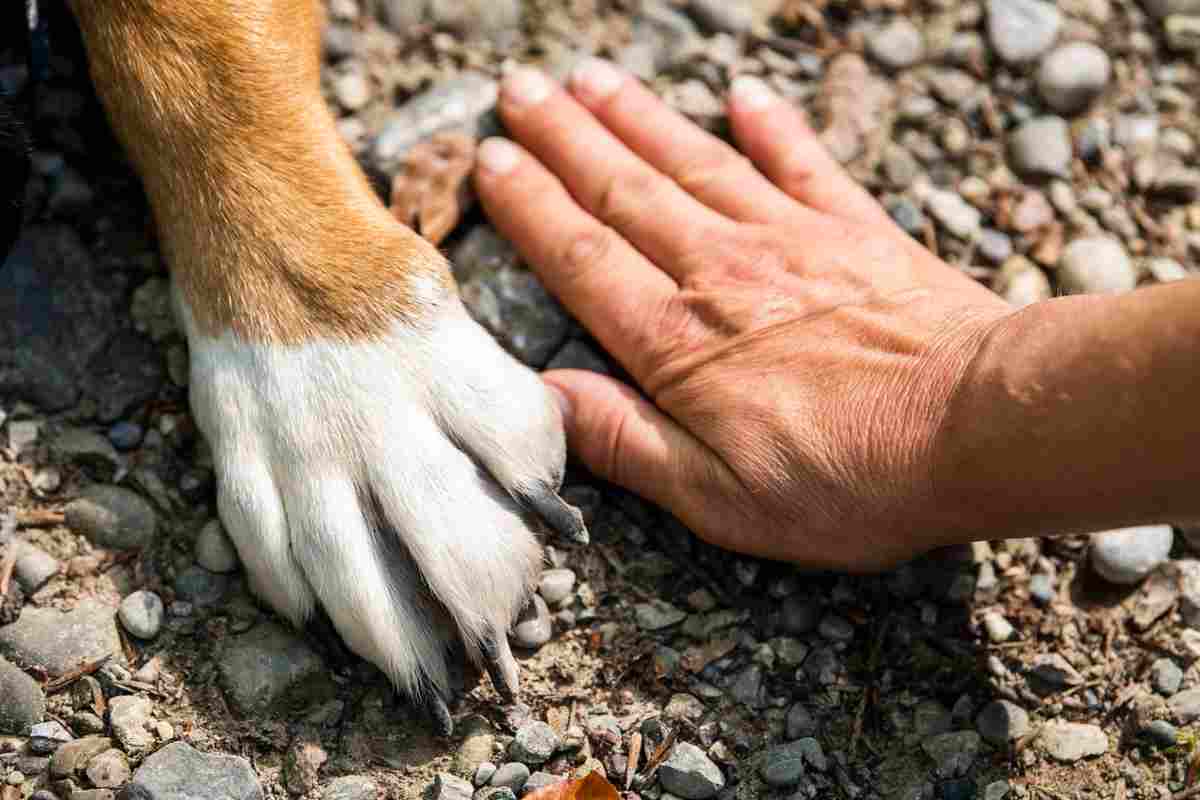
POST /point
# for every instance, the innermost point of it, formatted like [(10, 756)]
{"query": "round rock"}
[(783, 766), (556, 585), (1071, 741), (1041, 147), (1096, 264), (112, 517), (896, 45), (58, 642), (533, 744), (513, 775), (1165, 676), (690, 774), (214, 551), (1021, 30), (22, 704), (534, 627), (1072, 76), (1001, 722), (1126, 556), (142, 614)]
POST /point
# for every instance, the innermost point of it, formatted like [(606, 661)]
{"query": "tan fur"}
[(269, 226)]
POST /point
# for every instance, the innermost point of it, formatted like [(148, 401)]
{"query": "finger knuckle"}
[(700, 176), (586, 251), (625, 195)]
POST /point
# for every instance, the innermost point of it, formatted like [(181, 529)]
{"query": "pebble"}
[(34, 567), (351, 787), (72, 757), (108, 770), (1054, 672), (1022, 30), (513, 775), (534, 627), (352, 90), (1070, 77), (1166, 270), (301, 765), (556, 585), (180, 771), (783, 765), (58, 642), (1160, 733), (723, 16), (952, 753), (1070, 741), (46, 737), (657, 615), (690, 774), (907, 215), (1185, 706), (200, 587), (684, 707), (271, 669), (1165, 676), (111, 516), (214, 551), (1001, 722), (799, 723), (85, 722), (998, 628), (86, 449), (995, 246), (1128, 555), (131, 719), (1097, 264), (896, 45), (955, 214), (747, 686), (125, 435), (1041, 147), (1183, 32), (22, 704), (142, 614), (458, 103), (540, 780), (534, 744), (484, 773)]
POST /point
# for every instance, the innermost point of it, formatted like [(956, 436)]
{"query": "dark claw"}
[(329, 643), (501, 667), (564, 519), (439, 713)]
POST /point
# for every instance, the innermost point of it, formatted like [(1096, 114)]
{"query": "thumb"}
[(624, 439)]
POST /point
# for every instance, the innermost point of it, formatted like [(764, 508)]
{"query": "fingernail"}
[(596, 79), (750, 93), (498, 156), (526, 86)]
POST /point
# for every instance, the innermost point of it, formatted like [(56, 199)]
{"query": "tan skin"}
[(815, 385)]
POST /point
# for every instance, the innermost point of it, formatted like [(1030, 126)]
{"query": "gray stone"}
[(1053, 672), (150, 308), (996, 790), (111, 516), (533, 628), (1022, 283), (994, 245), (1001, 722), (508, 299), (484, 773), (824, 666), (813, 754), (1097, 264), (22, 704), (142, 614), (556, 585), (108, 770), (897, 44), (534, 744), (200, 587), (131, 718), (46, 737), (540, 780), (799, 723), (1128, 555), (907, 215), (1183, 32), (462, 103), (955, 214), (1021, 30), (34, 567), (783, 765), (351, 787), (1165, 676), (952, 753), (180, 772), (270, 669), (214, 551), (657, 615), (835, 628), (73, 757), (1070, 741), (497, 20), (723, 16), (747, 686), (1041, 147), (1070, 77), (86, 449), (998, 628), (513, 775), (1160, 733), (1185, 706), (59, 642), (690, 774)]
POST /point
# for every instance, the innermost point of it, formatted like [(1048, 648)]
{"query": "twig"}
[(6, 566), (39, 518), (635, 754), (69, 678)]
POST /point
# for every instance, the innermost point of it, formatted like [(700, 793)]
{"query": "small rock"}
[(483, 773), (34, 567), (533, 628), (352, 89), (799, 723), (723, 16), (142, 614), (1073, 75), (459, 103), (534, 744), (270, 668), (108, 770), (1160, 733), (994, 246), (1041, 588), (1183, 32), (1128, 555), (1185, 706), (303, 761), (214, 551), (200, 587), (72, 757), (657, 615), (998, 628), (85, 723), (540, 780), (449, 787), (835, 628), (690, 774), (112, 517), (952, 753), (1022, 283), (1071, 741), (22, 704), (179, 771), (125, 435), (87, 449), (46, 737), (683, 707), (1054, 672), (351, 787), (1041, 147), (130, 717), (556, 585), (1165, 676), (59, 642), (783, 765), (1001, 722), (1166, 270), (955, 214), (513, 775), (1098, 264), (897, 45), (1021, 30), (747, 686), (907, 215)]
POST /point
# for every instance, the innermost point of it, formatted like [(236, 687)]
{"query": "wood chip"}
[(432, 189)]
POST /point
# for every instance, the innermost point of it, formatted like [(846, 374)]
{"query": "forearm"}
[(1079, 414)]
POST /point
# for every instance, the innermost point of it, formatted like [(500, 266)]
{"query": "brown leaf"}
[(591, 787), (432, 188)]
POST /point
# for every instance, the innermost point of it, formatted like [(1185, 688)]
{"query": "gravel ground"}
[(1041, 148)]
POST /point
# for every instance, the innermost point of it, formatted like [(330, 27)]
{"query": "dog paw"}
[(392, 482)]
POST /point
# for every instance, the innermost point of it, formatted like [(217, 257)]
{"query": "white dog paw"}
[(391, 482)]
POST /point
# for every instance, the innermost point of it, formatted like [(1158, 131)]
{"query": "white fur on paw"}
[(377, 478)]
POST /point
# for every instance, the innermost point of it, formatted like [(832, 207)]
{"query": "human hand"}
[(798, 350)]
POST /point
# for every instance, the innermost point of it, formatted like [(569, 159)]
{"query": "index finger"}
[(600, 277)]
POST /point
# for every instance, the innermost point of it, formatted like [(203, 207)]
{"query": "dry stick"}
[(635, 754), (39, 518), (6, 566)]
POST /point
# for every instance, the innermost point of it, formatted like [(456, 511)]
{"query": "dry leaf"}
[(432, 188), (591, 787)]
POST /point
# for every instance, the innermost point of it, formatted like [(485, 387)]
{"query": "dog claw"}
[(439, 714), (501, 667), (563, 518)]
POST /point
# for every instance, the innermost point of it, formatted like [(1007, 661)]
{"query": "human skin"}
[(812, 384)]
